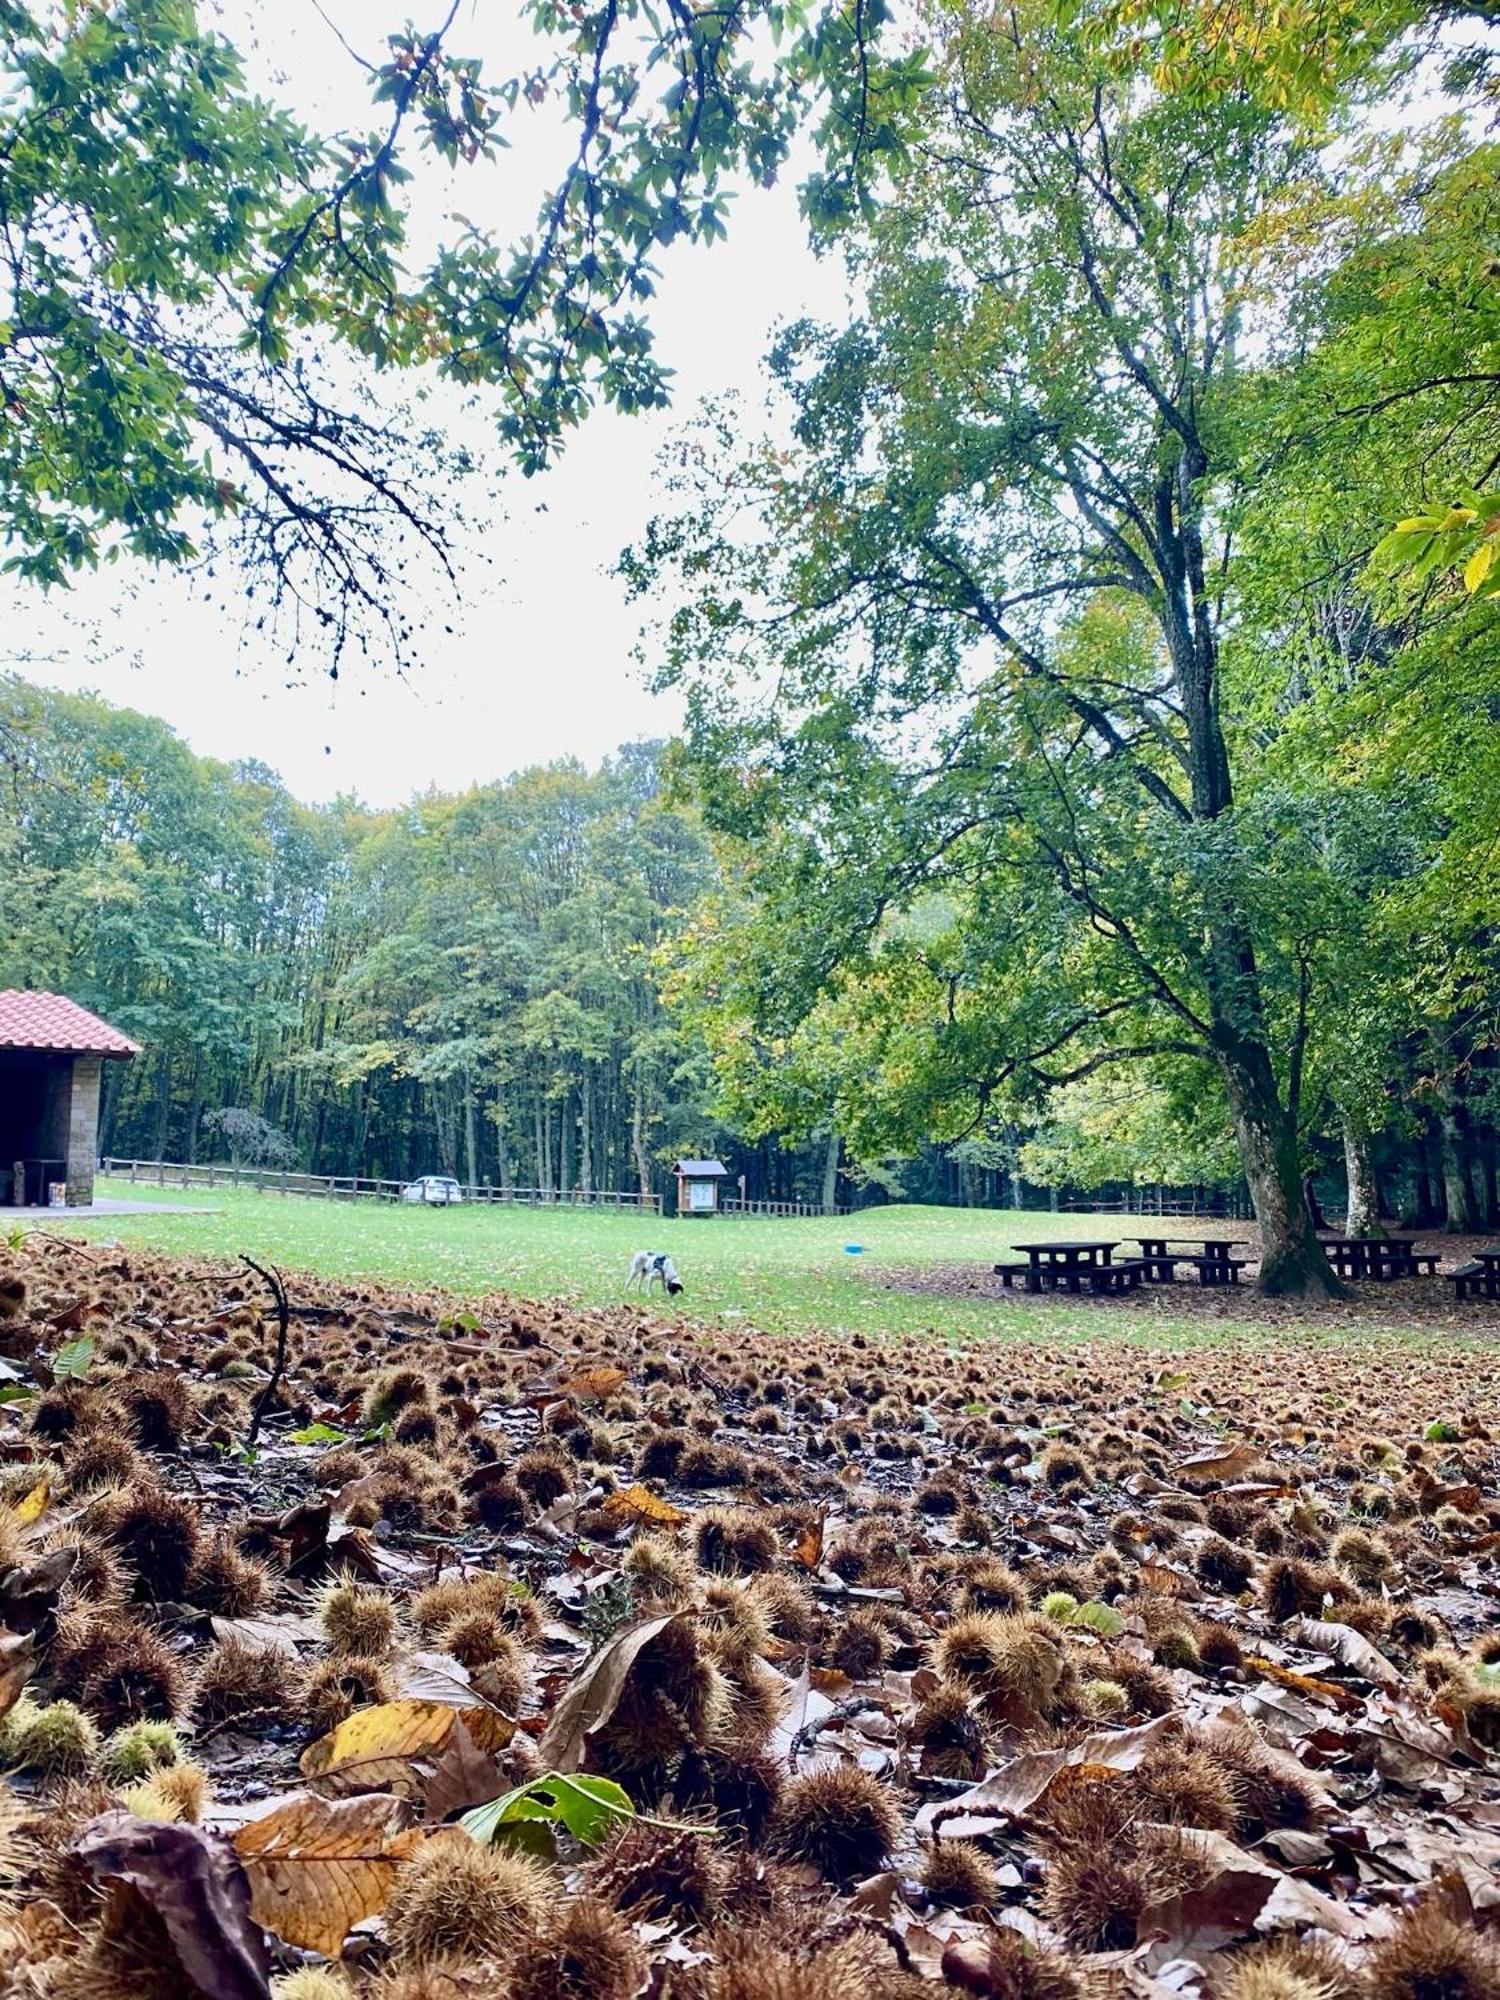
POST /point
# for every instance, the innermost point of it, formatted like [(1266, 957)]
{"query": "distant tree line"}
[(465, 985)]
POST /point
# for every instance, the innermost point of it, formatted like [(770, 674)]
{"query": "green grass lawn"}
[(777, 1274)]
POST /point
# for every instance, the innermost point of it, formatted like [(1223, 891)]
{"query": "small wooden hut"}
[(52, 1056), (698, 1186)]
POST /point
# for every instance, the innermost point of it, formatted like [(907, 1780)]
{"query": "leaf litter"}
[(544, 1651)]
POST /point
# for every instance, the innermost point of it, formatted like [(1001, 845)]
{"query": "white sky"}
[(540, 664)]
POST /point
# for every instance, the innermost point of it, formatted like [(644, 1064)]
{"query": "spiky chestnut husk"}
[(741, 1786), (660, 1573), (1103, 1701), (1065, 1465), (1218, 1646), (1293, 1588), (140, 1748), (455, 1597), (227, 1583), (789, 1610), (951, 1739), (235, 1679), (335, 1687), (588, 1952), (732, 1625), (859, 1647), (1272, 1789), (734, 1541), (1432, 1956), (12, 1297), (70, 1410), (356, 1619), (543, 1476), (1147, 1688), (959, 1875), (117, 1668), (54, 1738), (1016, 1668), (661, 1454), (842, 1820), (1288, 1968), (1181, 1786), (1223, 1565), (158, 1407), (459, 1901), (674, 1700), (394, 1390), (661, 1872), (100, 1459), (1004, 1967), (129, 1956), (1095, 1895), (415, 1426), (156, 1534), (1176, 1646), (311, 1982), (1365, 1558)]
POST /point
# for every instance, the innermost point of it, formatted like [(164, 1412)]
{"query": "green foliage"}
[(588, 1808), (73, 1359)]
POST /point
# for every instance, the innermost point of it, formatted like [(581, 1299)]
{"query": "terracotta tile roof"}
[(48, 1021)]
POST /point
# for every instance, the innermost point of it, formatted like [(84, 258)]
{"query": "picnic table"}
[(1381, 1257), (1064, 1264), (1213, 1255), (1480, 1274)]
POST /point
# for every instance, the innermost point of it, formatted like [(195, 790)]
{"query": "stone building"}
[(52, 1056)]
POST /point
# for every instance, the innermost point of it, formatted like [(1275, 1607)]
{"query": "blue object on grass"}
[(855, 1249)]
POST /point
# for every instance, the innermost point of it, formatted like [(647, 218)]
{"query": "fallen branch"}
[(278, 1367)]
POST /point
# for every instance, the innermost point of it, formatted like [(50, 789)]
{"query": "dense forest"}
[(526, 985), (467, 985)]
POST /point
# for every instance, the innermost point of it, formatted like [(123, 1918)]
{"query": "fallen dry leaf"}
[(194, 1882), (374, 1749), (639, 1503), (1012, 1791), (317, 1867), (591, 1699)]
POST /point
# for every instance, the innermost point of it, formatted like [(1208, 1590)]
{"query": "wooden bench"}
[(1159, 1270), (1008, 1274), (1427, 1261), (1217, 1270), (1124, 1276), (1468, 1278)]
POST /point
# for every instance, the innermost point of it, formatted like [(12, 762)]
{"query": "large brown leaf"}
[(590, 1701), (194, 1882), (18, 1662), (1350, 1648), (1232, 1462), (1012, 1791), (318, 1867), (1240, 1893)]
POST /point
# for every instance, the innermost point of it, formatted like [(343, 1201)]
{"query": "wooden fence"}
[(354, 1187), (779, 1208)]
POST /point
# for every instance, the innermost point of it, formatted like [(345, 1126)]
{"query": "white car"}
[(437, 1190)]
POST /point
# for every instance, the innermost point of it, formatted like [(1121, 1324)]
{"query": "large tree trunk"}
[(1362, 1217), (1458, 1187), (831, 1174), (1291, 1257)]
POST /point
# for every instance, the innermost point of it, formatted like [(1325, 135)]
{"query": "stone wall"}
[(83, 1130)]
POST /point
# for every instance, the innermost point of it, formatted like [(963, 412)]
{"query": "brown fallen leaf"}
[(29, 1593), (317, 1867), (1241, 1893), (593, 1696), (463, 1776), (1231, 1463), (375, 1749), (1304, 1684), (18, 1662), (639, 1503), (1012, 1791), (194, 1882), (594, 1385), (809, 1550), (1350, 1648)]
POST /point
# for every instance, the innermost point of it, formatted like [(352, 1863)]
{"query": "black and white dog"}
[(649, 1267)]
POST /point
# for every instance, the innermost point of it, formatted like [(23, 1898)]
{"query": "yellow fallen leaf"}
[(375, 1748), (639, 1503), (34, 1505), (317, 1867)]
